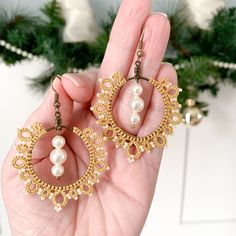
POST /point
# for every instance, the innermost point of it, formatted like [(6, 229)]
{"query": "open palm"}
[(121, 201)]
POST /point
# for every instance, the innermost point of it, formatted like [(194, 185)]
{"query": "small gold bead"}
[(140, 53)]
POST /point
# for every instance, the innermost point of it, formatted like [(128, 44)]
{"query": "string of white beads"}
[(16, 50), (136, 104), (19, 51), (224, 65), (58, 156), (220, 64)]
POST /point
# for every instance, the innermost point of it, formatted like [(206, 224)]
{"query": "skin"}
[(121, 201)]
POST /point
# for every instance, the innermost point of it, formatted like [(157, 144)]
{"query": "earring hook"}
[(52, 80), (57, 104), (137, 69), (57, 115), (140, 44)]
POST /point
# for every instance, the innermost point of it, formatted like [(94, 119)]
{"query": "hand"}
[(121, 201)]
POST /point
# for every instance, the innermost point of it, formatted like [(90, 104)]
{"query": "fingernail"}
[(167, 63), (55, 81), (75, 79), (164, 14)]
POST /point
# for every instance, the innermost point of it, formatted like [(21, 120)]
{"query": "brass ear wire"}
[(57, 104), (137, 69), (57, 115), (52, 80)]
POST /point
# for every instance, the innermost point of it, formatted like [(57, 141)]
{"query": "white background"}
[(196, 190)]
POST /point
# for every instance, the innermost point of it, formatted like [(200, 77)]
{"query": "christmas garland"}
[(204, 59)]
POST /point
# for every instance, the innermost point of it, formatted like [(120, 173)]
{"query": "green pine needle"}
[(189, 45)]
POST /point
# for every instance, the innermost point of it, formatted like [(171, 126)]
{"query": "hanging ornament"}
[(204, 10), (192, 115), (80, 21)]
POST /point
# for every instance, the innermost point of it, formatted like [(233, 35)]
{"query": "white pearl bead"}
[(8, 45), (58, 141), (137, 89), (2, 43), (18, 51), (58, 156), (57, 170), (135, 118), (24, 53), (137, 104)]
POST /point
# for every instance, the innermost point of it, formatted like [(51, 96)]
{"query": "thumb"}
[(80, 87)]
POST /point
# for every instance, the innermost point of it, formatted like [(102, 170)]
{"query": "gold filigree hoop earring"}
[(59, 195), (134, 145)]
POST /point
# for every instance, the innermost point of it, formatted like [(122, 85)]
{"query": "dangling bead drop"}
[(136, 104), (58, 156)]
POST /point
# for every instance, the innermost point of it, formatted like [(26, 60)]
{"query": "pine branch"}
[(189, 45)]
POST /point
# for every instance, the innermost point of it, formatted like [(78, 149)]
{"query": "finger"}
[(155, 110), (156, 35), (80, 87), (124, 37)]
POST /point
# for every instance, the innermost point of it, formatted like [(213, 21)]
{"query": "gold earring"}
[(34, 184), (134, 145)]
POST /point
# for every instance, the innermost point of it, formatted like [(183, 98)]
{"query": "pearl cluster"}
[(136, 104), (58, 156)]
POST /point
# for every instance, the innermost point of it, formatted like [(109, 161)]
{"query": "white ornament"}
[(203, 10), (80, 21), (57, 170)]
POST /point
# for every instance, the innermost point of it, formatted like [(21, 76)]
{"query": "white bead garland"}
[(16, 50), (28, 55), (219, 64), (136, 104), (58, 155)]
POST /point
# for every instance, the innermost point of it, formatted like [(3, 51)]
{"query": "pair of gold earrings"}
[(134, 146)]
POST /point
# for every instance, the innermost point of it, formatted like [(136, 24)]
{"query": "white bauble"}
[(203, 10), (80, 21)]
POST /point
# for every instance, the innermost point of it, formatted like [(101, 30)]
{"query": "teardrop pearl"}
[(137, 89), (137, 104), (57, 170), (58, 141), (58, 156), (135, 118)]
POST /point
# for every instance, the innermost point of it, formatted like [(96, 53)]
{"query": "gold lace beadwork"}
[(35, 185), (103, 111)]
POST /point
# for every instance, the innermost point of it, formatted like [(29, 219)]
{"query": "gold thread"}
[(34, 184), (157, 138)]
